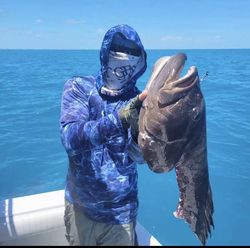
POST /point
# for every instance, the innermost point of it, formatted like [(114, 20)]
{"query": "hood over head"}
[(118, 41)]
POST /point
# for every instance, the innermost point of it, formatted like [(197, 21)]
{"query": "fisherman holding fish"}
[(99, 131)]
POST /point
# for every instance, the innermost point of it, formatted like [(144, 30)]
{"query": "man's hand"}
[(129, 115)]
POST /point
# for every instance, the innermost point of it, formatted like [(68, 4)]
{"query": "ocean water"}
[(34, 161)]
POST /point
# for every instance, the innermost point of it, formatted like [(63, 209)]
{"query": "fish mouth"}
[(188, 78), (175, 66), (171, 70), (167, 69)]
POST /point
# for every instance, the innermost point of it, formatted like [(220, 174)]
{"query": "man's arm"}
[(77, 131), (129, 116)]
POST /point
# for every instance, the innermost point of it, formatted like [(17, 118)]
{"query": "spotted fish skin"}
[(172, 135)]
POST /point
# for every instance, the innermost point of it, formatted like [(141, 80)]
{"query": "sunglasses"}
[(121, 44)]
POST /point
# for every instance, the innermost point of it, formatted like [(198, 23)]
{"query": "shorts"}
[(80, 230)]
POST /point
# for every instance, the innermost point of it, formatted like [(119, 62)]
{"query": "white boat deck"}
[(38, 220)]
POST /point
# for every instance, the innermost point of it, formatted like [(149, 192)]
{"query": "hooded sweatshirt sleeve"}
[(78, 132)]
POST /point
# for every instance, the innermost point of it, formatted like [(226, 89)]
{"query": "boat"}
[(38, 220)]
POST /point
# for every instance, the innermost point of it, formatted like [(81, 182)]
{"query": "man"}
[(99, 130)]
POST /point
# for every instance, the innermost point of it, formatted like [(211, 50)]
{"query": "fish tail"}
[(205, 229)]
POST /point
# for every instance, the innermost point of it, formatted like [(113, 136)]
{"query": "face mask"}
[(121, 68)]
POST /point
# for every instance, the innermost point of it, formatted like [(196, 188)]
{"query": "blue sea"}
[(32, 159)]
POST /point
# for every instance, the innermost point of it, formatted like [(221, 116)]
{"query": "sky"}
[(161, 24)]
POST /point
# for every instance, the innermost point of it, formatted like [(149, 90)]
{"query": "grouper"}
[(172, 135)]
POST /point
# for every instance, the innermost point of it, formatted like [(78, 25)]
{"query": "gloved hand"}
[(129, 115)]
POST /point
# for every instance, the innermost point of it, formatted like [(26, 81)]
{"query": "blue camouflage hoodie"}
[(102, 174)]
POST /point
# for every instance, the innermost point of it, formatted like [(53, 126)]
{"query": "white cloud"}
[(217, 37), (38, 36), (74, 21), (171, 38), (39, 20), (100, 31)]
